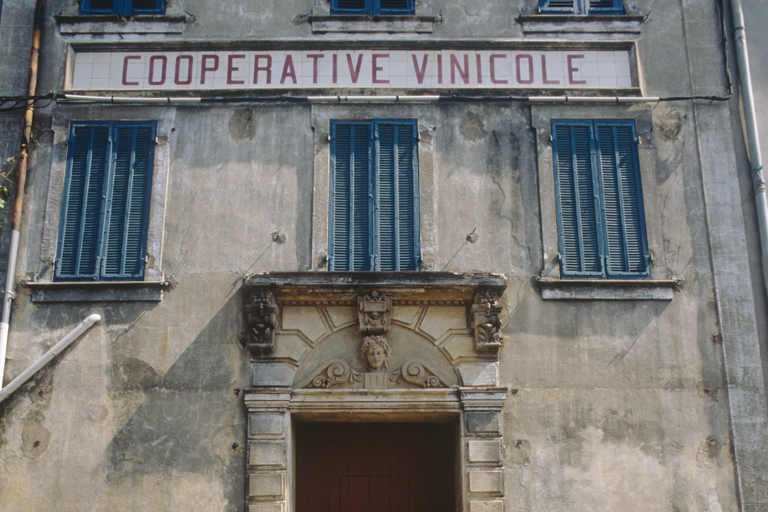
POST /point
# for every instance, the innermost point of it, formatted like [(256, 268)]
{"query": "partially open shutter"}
[(579, 236), (622, 200), (82, 202), (128, 202)]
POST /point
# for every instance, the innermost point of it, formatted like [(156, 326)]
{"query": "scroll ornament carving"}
[(374, 312), (486, 322), (261, 321), (334, 373), (417, 373)]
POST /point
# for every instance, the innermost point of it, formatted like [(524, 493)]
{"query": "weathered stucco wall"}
[(612, 404)]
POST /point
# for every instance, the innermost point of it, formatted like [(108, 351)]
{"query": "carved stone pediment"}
[(417, 374)]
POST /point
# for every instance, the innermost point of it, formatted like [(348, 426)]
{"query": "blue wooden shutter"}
[(127, 209), (558, 7), (147, 7), (102, 7), (349, 222), (396, 7), (351, 6), (579, 235), (82, 203), (396, 192), (606, 7), (624, 219)]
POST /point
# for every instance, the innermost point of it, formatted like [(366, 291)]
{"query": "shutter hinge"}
[(330, 138), (146, 258), (67, 140), (636, 139), (551, 138), (157, 141)]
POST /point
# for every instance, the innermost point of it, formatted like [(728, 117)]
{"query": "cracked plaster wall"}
[(621, 405)]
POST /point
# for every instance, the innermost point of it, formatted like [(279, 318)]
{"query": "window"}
[(105, 204), (374, 217), (372, 7), (600, 218), (592, 7), (122, 7)]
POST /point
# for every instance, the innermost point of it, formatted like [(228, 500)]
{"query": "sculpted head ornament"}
[(375, 351)]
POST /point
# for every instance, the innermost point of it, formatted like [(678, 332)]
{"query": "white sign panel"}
[(368, 69)]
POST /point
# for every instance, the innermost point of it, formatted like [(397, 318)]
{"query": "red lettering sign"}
[(492, 62), (267, 68), (354, 72), (177, 76), (375, 68), (288, 70), (463, 73), (519, 58), (544, 71), (125, 69), (231, 68), (573, 69), (315, 68), (204, 68)]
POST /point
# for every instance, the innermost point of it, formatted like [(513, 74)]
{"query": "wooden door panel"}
[(375, 467)]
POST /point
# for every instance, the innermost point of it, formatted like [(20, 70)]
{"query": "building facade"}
[(424, 255)]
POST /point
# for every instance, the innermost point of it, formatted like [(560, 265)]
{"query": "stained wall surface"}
[(612, 404)]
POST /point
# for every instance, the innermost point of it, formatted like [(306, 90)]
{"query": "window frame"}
[(372, 8), (581, 7), (374, 227), (602, 223), (100, 238), (121, 8)]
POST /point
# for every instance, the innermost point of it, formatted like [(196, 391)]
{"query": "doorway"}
[(375, 467)]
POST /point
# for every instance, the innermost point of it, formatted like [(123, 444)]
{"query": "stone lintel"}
[(483, 399)]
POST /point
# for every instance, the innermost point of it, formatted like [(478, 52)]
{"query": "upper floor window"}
[(105, 204), (374, 204), (374, 7), (591, 7), (122, 7), (600, 217)]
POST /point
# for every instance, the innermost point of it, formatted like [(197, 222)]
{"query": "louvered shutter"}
[(147, 7), (82, 204), (396, 212), (127, 208), (558, 6), (606, 7), (579, 235), (396, 7), (624, 220), (100, 7), (349, 223), (351, 6)]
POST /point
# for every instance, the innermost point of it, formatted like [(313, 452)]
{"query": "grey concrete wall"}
[(619, 405)]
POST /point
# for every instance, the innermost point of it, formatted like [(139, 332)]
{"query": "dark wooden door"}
[(375, 467)]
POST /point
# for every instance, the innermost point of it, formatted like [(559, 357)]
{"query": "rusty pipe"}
[(18, 201)]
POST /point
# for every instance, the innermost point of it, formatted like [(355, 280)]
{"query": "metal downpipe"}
[(750, 120), (26, 135)]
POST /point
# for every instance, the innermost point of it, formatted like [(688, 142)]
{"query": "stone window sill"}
[(548, 24), (607, 289), (405, 287), (89, 24), (363, 24), (99, 291)]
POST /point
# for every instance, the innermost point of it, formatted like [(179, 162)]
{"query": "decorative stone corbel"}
[(261, 321), (485, 321), (374, 312)]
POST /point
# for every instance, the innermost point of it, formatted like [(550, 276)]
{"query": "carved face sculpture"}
[(375, 351)]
